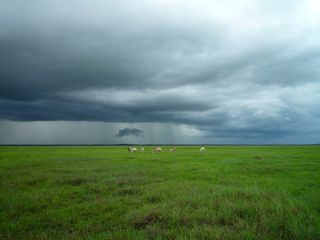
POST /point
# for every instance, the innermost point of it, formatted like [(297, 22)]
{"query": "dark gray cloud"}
[(232, 70), (130, 132)]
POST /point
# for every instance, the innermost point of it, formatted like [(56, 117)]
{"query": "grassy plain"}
[(227, 192)]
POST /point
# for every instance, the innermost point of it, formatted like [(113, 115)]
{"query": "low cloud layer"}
[(130, 132), (236, 71)]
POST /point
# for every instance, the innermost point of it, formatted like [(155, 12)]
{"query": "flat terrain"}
[(233, 192)]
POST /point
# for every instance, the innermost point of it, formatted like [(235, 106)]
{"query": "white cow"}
[(132, 149), (142, 149), (202, 149), (157, 150), (173, 149)]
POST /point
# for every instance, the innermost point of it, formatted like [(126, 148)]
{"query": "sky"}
[(159, 72)]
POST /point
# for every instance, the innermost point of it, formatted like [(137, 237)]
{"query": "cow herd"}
[(159, 149)]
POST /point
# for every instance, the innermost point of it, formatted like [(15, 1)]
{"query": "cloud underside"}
[(130, 132), (231, 70)]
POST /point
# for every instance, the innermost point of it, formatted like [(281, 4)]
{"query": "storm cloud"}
[(130, 132), (232, 71)]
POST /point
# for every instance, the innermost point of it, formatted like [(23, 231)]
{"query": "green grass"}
[(242, 192)]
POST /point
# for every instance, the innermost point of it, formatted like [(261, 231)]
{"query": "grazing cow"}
[(132, 149), (173, 149), (157, 150), (202, 149), (142, 149)]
